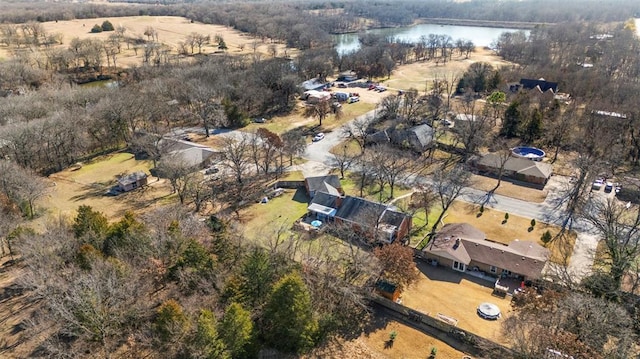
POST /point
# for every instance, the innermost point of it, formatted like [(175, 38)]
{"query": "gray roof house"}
[(520, 169), (329, 184), (312, 84), (191, 154), (363, 215), (464, 247), (418, 138)]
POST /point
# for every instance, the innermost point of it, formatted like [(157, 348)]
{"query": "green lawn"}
[(351, 186), (263, 220)]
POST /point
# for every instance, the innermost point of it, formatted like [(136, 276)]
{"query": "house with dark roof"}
[(372, 219), (520, 169), (329, 184), (465, 248), (132, 181), (418, 138), (541, 85)]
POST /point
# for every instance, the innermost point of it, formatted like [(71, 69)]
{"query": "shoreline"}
[(483, 23)]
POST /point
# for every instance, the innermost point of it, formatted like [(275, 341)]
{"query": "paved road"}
[(320, 161)]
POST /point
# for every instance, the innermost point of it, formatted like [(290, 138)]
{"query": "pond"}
[(481, 36)]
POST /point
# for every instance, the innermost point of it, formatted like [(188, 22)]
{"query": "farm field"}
[(170, 29)]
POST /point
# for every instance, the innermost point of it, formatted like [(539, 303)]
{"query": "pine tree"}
[(207, 342), (236, 330), (289, 324), (512, 120)]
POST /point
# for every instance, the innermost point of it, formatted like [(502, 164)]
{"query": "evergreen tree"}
[(236, 330), (534, 127), (207, 343), (96, 29), (289, 324), (90, 226), (512, 120), (107, 26), (170, 323)]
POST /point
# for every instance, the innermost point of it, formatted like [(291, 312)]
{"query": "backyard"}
[(456, 295), (88, 184)]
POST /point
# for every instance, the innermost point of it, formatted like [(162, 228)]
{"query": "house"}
[(189, 153), (328, 184), (541, 85), (418, 138), (347, 77), (465, 248), (372, 219), (520, 169), (132, 181), (387, 290), (312, 84)]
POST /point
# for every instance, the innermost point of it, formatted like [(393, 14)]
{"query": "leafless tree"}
[(343, 159), (472, 133), (234, 153), (357, 130), (318, 110), (448, 184)]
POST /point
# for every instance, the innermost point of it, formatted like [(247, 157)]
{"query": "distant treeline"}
[(301, 24)]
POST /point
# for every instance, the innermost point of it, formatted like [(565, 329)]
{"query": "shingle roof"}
[(329, 184), (519, 165), (131, 178), (543, 85), (463, 243)]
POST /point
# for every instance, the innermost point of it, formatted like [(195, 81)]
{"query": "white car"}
[(597, 184), (318, 137), (353, 99)]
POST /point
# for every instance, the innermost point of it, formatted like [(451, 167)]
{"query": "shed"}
[(132, 181), (387, 290)]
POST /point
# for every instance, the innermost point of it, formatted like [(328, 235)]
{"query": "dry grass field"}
[(171, 30), (87, 186)]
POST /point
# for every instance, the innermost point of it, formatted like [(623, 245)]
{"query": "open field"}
[(171, 30), (420, 74), (87, 185), (441, 290)]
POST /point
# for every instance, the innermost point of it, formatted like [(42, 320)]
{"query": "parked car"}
[(380, 88), (342, 86), (260, 120), (211, 170), (597, 184), (318, 137), (353, 99), (608, 187)]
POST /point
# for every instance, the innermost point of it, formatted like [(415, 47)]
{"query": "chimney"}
[(339, 201)]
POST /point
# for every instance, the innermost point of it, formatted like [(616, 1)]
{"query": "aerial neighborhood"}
[(322, 179)]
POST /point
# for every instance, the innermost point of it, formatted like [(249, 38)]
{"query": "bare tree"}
[(448, 185), (234, 153), (473, 129), (318, 110), (343, 159)]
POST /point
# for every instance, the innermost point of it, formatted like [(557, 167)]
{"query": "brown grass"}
[(508, 189), (491, 223), (171, 30), (441, 290), (87, 186)]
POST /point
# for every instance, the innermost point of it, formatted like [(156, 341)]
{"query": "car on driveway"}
[(608, 187), (597, 184), (260, 120), (353, 99), (318, 137)]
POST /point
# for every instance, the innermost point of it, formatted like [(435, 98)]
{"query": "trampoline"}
[(489, 311), (316, 223), (531, 153)]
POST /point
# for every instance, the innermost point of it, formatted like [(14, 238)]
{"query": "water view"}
[(481, 36)]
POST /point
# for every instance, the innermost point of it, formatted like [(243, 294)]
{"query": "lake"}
[(481, 36)]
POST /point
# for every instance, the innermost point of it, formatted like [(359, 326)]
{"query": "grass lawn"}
[(87, 185), (351, 186), (262, 220), (441, 290), (508, 189), (515, 228)]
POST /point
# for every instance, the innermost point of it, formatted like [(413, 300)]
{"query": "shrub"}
[(506, 216), (96, 29), (533, 223), (107, 26), (546, 237), (393, 335)]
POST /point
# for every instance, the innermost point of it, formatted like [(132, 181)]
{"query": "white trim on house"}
[(460, 267)]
